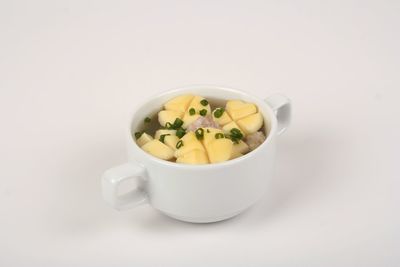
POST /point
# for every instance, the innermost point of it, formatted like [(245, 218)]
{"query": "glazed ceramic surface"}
[(198, 193)]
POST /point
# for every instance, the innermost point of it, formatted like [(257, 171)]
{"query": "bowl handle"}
[(282, 107), (113, 177)]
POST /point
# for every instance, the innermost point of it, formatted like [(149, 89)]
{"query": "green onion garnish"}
[(179, 144), (147, 120), (204, 102), (199, 133), (219, 135), (208, 130), (236, 135), (203, 112), (168, 125), (218, 112), (177, 123), (162, 137), (138, 134), (180, 132), (192, 111)]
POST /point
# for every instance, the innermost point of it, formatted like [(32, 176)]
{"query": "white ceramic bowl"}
[(198, 193)]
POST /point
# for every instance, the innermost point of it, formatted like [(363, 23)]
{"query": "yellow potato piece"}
[(233, 104), (195, 103), (219, 150), (164, 131), (243, 111), (224, 119), (190, 143), (193, 157), (251, 124), (170, 116), (240, 148), (210, 136), (228, 127), (171, 140), (235, 154), (188, 119), (179, 103), (238, 114), (143, 139), (158, 149)]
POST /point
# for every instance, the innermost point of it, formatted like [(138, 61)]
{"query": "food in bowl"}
[(191, 130)]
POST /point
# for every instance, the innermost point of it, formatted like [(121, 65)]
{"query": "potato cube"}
[(209, 135), (224, 119), (190, 143), (179, 103), (158, 149), (171, 140), (244, 110), (241, 147), (164, 131), (228, 127), (251, 124), (170, 116), (235, 154), (219, 150), (196, 104), (188, 119), (143, 139), (193, 157)]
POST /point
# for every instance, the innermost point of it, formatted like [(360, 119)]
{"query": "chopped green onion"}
[(179, 144), (208, 130), (203, 112), (162, 137), (218, 112), (180, 132), (219, 135), (235, 132), (236, 135), (138, 134), (177, 123), (204, 102), (192, 111), (168, 125), (147, 120), (199, 133)]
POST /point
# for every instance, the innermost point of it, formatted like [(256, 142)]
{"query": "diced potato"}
[(219, 150), (243, 111), (143, 139), (228, 127), (170, 116), (164, 131), (171, 140), (195, 103), (188, 119), (210, 136), (179, 103), (251, 124), (234, 104), (240, 148), (190, 143), (235, 154), (193, 157), (158, 149), (224, 119)]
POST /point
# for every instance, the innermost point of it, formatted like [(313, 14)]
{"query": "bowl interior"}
[(151, 107)]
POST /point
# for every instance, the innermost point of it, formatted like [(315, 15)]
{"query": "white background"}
[(72, 71)]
